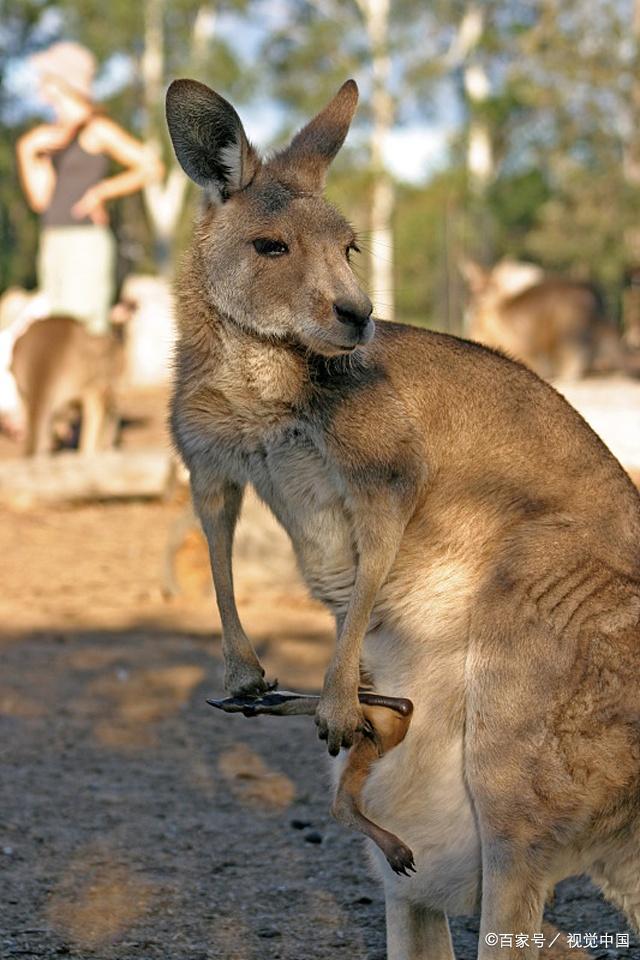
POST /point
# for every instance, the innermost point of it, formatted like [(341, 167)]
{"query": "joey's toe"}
[(400, 858)]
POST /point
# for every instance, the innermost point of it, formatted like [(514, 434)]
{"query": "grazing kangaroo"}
[(556, 326), (56, 362), (476, 542)]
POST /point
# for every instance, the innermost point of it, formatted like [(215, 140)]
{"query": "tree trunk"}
[(631, 161), (480, 162), (164, 202), (463, 59), (375, 14), (462, 56)]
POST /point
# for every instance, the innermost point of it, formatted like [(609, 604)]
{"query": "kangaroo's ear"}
[(209, 139), (476, 276), (314, 147)]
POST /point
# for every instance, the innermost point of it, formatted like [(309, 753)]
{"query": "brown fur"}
[(476, 542), (57, 363), (556, 326)]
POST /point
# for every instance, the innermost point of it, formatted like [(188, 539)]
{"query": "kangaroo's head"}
[(273, 252)]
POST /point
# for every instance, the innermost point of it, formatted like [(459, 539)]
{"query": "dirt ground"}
[(137, 823)]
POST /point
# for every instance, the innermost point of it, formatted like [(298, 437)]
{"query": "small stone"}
[(300, 824), (313, 837), (8, 851), (268, 933)]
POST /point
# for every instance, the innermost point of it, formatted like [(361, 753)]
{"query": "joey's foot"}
[(247, 680), (399, 856), (337, 721)]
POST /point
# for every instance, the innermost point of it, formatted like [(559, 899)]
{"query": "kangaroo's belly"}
[(303, 491), (418, 789)]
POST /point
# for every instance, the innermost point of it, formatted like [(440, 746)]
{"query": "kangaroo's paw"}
[(246, 680), (337, 721)]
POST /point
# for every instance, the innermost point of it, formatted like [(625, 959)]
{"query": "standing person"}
[(63, 167)]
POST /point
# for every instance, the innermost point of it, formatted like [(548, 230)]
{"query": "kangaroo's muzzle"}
[(356, 317)]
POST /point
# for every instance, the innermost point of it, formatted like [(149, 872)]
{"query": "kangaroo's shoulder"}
[(401, 341)]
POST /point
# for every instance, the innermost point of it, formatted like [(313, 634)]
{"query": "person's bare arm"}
[(141, 168), (36, 170)]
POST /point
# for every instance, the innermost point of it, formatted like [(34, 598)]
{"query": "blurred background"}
[(493, 177), (486, 130)]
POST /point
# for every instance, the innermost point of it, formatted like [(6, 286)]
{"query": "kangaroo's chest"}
[(305, 490)]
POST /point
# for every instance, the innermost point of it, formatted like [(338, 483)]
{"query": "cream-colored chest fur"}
[(304, 491), (260, 440)]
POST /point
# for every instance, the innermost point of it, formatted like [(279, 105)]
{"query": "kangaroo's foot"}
[(245, 678), (399, 855)]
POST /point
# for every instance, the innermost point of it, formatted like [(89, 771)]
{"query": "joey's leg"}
[(346, 806), (379, 524), (414, 932), (218, 509)]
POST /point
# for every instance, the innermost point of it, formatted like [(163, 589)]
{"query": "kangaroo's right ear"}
[(209, 139)]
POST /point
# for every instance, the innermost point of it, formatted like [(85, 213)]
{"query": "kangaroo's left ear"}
[(314, 147), (209, 139)]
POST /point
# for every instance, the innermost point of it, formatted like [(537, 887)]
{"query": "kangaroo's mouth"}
[(346, 339)]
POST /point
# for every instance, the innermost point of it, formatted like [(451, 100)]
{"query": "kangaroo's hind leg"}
[(38, 439), (514, 888), (388, 729), (414, 932)]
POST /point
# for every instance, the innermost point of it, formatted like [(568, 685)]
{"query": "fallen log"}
[(73, 477)]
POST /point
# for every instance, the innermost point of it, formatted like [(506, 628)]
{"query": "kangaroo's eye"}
[(270, 248), (352, 247)]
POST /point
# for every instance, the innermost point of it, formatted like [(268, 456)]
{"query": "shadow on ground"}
[(139, 823)]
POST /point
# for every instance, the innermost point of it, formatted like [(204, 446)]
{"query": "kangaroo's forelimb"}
[(380, 518), (218, 509)]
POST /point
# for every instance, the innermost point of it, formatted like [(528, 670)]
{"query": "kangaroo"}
[(556, 326), (476, 542), (56, 363)]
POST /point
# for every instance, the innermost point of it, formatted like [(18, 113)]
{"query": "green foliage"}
[(18, 226), (21, 32), (515, 202), (431, 235)]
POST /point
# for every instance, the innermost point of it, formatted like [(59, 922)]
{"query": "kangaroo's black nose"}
[(356, 314)]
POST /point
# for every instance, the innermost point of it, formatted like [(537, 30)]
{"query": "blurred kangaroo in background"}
[(56, 362), (558, 327), (477, 544)]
